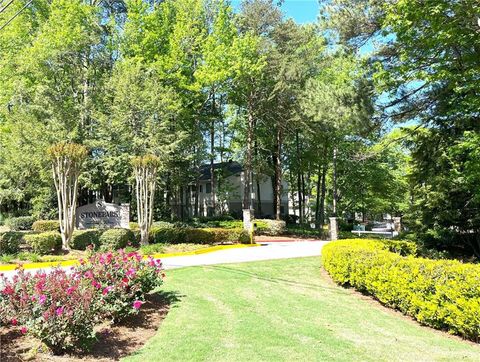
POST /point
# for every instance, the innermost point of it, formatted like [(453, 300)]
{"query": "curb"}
[(73, 262)]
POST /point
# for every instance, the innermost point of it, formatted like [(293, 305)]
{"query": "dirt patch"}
[(114, 341)]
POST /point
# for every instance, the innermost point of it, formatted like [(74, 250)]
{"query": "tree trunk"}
[(304, 206), (247, 190), (278, 174), (317, 200), (145, 177), (212, 154), (335, 194), (273, 180), (322, 197), (299, 181), (65, 176), (259, 198), (321, 192)]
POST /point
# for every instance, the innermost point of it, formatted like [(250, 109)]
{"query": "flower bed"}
[(61, 308), (443, 294)]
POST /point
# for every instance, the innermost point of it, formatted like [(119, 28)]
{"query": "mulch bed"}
[(114, 341)]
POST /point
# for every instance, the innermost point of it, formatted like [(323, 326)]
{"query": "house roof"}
[(227, 168)]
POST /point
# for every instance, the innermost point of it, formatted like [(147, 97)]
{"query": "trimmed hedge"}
[(46, 225), (44, 243), (20, 223), (81, 239), (160, 235), (443, 294), (270, 227), (197, 236), (114, 239), (10, 242)]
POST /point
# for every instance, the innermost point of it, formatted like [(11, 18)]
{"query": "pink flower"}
[(8, 290), (89, 274), (106, 290), (23, 330), (42, 299), (96, 284), (14, 322), (130, 272), (137, 304), (59, 311), (70, 290)]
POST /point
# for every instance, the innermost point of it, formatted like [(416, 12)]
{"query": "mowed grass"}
[(285, 310)]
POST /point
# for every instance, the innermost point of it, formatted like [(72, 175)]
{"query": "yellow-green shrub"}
[(197, 236), (270, 227), (443, 294), (41, 226), (44, 243)]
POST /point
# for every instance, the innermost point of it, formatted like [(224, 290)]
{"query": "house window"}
[(201, 188), (208, 188)]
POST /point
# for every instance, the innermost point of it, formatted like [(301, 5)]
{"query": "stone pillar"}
[(333, 228), (397, 224), (248, 224)]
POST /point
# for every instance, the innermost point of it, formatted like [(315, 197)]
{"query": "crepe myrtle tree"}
[(145, 169), (67, 160)]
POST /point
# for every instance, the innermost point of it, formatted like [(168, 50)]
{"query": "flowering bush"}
[(121, 279), (57, 308), (61, 308)]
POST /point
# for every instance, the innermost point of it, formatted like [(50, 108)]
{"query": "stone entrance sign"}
[(103, 215)]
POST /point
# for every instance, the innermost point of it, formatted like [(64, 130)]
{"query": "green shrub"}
[(167, 235), (41, 226), (163, 224), (44, 243), (20, 223), (133, 225), (10, 242), (83, 238), (197, 236), (216, 236), (270, 227), (114, 239), (443, 294)]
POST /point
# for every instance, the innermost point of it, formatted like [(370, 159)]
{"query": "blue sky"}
[(302, 11)]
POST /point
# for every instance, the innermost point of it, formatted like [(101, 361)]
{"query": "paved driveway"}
[(267, 250), (275, 250)]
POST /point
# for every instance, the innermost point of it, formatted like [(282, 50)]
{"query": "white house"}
[(229, 189)]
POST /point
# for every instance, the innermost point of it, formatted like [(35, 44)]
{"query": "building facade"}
[(197, 198)]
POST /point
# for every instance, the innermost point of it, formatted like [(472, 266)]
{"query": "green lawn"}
[(283, 311)]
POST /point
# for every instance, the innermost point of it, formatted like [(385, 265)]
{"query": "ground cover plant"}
[(61, 308), (443, 294)]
